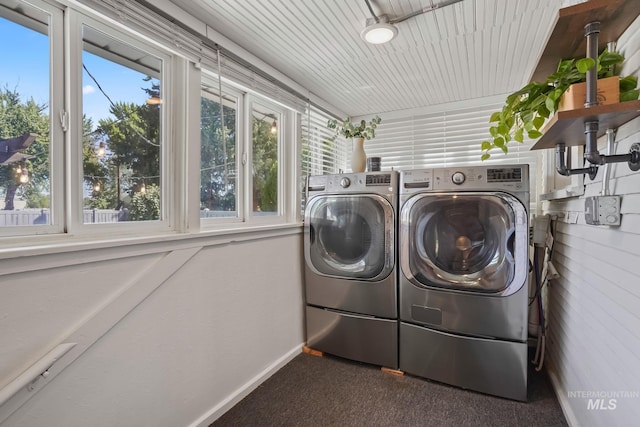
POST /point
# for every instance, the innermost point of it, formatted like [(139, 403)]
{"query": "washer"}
[(463, 294), (350, 266)]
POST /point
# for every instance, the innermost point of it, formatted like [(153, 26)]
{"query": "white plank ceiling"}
[(471, 49)]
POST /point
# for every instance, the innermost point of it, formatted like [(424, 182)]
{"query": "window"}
[(322, 153), (27, 136), (121, 147), (218, 155), (264, 160), (94, 122), (242, 178), (111, 128)]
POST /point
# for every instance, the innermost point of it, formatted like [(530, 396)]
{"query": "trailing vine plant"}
[(526, 110)]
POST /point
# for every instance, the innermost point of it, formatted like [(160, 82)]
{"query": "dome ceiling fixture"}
[(381, 29)]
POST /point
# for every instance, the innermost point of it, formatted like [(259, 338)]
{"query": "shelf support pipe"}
[(591, 32), (595, 158), (563, 166), (591, 138)]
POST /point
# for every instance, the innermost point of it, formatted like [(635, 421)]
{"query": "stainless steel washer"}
[(463, 290), (350, 266)]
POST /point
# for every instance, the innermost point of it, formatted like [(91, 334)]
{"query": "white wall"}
[(594, 307), (168, 334)]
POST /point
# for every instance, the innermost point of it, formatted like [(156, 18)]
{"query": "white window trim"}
[(179, 158), (288, 164), (56, 134), (248, 213), (76, 225), (215, 223)]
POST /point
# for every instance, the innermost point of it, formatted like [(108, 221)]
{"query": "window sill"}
[(95, 248), (564, 193)]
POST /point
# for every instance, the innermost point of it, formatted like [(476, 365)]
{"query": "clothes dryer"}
[(463, 293), (350, 266)]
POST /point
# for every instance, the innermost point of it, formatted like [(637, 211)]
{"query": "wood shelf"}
[(567, 39), (568, 126)]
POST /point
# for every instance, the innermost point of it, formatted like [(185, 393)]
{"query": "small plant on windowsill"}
[(349, 130), (525, 111)]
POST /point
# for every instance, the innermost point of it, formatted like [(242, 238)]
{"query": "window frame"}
[(239, 96), (288, 164), (280, 112), (74, 215), (181, 88), (56, 133)]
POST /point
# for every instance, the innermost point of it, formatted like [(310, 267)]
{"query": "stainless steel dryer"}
[(350, 266), (463, 290)]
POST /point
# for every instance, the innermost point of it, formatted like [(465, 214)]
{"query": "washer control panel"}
[(472, 178)]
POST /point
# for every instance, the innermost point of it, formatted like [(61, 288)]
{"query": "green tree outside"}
[(217, 157), (265, 167), (18, 118)]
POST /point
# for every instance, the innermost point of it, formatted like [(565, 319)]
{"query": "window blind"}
[(151, 22), (445, 139), (322, 152), (449, 138)]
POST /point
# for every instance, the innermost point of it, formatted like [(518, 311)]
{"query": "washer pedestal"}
[(485, 365)]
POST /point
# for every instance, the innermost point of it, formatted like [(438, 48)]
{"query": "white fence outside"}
[(25, 217)]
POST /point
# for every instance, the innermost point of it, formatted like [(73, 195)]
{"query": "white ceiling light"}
[(378, 32), (380, 29)]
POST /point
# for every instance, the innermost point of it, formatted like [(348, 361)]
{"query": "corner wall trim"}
[(561, 394), (243, 391)]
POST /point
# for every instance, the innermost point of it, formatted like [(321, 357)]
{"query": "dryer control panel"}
[(366, 182)]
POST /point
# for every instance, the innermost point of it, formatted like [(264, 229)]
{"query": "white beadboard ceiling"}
[(471, 49)]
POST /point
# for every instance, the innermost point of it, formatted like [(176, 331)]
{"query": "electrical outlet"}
[(602, 210), (540, 229)]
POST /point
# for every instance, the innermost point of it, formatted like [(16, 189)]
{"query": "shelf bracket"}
[(591, 153), (563, 163), (594, 157)]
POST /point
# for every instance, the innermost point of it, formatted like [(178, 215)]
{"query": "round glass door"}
[(461, 242), (350, 236)]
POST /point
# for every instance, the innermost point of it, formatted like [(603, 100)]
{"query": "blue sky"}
[(24, 66)]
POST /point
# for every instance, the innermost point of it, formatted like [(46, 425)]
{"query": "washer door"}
[(473, 242), (350, 236)]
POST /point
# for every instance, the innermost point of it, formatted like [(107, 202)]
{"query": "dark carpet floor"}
[(330, 391)]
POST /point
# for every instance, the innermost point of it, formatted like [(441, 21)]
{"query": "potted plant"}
[(526, 110), (357, 133)]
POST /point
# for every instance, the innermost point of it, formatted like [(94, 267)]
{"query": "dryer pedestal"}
[(485, 365), (350, 270), (363, 338)]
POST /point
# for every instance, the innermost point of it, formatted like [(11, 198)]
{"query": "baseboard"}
[(217, 411), (563, 400)]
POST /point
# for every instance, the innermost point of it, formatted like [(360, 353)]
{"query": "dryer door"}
[(350, 236), (473, 242)]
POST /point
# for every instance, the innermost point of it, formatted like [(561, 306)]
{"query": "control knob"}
[(345, 182), (458, 178)]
